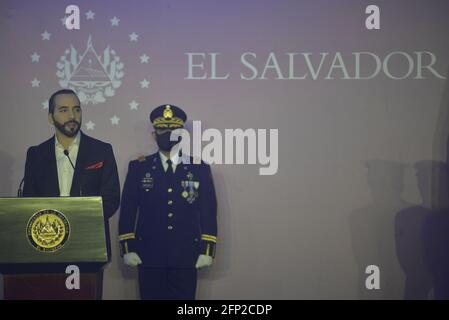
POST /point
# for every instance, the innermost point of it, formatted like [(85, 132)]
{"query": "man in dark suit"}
[(72, 163), (168, 216)]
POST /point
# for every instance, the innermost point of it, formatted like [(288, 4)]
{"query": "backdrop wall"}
[(347, 146)]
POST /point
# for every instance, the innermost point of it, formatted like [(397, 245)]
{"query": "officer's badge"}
[(48, 230), (147, 181), (168, 113), (190, 188)]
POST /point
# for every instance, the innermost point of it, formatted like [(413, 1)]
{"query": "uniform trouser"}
[(167, 284)]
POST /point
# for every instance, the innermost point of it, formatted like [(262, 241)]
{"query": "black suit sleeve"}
[(29, 189), (110, 185)]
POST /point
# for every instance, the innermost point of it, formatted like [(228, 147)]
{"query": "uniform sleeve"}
[(129, 210), (208, 213), (29, 188)]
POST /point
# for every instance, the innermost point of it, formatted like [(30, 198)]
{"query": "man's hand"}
[(204, 261), (132, 259)]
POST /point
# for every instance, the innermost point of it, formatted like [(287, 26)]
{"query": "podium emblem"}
[(48, 230)]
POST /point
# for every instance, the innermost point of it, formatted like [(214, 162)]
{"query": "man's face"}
[(67, 115), (163, 141)]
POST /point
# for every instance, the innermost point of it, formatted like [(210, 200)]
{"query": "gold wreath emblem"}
[(48, 230)]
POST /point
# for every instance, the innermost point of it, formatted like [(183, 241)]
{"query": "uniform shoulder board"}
[(141, 159)]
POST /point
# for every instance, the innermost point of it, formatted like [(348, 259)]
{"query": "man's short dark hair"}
[(51, 102)]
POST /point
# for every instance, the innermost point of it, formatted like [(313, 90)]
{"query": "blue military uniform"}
[(168, 219)]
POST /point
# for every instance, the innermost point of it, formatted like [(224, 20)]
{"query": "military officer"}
[(168, 217)]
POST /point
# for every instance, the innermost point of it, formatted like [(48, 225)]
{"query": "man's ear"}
[(50, 119)]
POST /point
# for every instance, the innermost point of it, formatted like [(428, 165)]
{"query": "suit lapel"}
[(51, 170), (81, 160), (160, 172), (157, 170)]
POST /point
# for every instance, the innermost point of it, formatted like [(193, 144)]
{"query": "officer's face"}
[(162, 137), (67, 115)]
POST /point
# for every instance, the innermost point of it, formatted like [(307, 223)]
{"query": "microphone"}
[(66, 153), (20, 191)]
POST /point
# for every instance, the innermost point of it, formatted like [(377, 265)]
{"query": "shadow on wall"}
[(440, 150), (6, 187), (7, 11), (372, 230), (422, 235), (409, 237), (423, 230), (388, 232), (435, 230)]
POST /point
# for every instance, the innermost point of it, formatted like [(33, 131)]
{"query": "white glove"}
[(132, 259), (204, 261)]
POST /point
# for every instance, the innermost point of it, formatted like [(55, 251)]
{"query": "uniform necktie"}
[(169, 168)]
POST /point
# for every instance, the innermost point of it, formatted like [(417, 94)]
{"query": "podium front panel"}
[(52, 230)]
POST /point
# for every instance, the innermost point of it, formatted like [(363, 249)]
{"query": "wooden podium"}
[(41, 237)]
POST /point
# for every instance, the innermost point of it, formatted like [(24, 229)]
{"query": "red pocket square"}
[(97, 165)]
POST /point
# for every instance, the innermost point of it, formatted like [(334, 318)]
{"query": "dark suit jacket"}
[(95, 174)]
